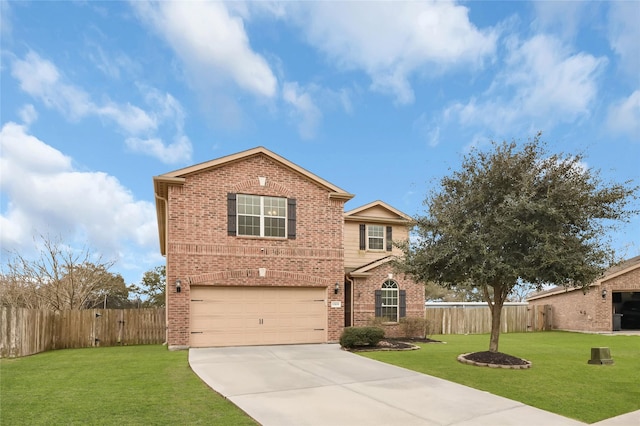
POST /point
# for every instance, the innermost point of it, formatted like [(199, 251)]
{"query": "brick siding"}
[(200, 251), (578, 311), (364, 298)]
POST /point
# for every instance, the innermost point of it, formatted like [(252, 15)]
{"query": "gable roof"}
[(359, 214), (364, 270), (162, 182), (617, 270)]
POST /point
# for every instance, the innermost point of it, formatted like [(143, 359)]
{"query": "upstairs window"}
[(261, 216), (376, 237)]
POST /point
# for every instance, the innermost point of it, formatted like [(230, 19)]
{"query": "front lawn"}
[(559, 381), (131, 385)]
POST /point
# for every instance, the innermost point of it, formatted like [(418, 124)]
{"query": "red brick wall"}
[(575, 310), (364, 298), (200, 251)]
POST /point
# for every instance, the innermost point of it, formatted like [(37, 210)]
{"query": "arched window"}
[(389, 307)]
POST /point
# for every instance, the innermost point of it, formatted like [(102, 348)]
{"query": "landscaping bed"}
[(388, 344)]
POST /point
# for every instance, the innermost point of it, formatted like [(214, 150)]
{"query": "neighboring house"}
[(611, 303), (257, 248)]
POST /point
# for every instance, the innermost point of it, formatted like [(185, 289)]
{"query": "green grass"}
[(145, 385), (559, 381)]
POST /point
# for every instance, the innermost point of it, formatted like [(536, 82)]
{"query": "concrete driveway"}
[(324, 385)]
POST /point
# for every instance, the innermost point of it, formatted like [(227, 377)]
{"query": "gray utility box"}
[(617, 322)]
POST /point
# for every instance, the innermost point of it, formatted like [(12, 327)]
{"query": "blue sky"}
[(380, 98)]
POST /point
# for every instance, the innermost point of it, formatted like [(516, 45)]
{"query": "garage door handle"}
[(197, 332), (318, 329)]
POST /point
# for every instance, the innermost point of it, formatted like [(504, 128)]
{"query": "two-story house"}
[(259, 251)]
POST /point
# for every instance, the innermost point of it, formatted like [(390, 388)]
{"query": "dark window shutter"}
[(291, 218), (363, 237), (403, 303), (231, 214), (389, 238), (378, 303)]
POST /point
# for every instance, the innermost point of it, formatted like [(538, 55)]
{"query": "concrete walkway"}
[(324, 385)]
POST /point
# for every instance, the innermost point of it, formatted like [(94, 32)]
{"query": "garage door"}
[(236, 316)]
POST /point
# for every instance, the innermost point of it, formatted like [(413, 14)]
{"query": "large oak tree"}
[(516, 214)]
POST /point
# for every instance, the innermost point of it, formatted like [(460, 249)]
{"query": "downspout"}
[(346, 277), (166, 282)]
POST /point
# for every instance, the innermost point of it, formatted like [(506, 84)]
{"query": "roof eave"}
[(161, 190)]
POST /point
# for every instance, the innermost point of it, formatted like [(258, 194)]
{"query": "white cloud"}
[(563, 17), (304, 109), (130, 118), (212, 44), (41, 79), (543, 83), (391, 41), (624, 116), (46, 195), (547, 76), (178, 151), (624, 33), (28, 114)]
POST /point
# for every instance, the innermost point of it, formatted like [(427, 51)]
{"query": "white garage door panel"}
[(234, 316)]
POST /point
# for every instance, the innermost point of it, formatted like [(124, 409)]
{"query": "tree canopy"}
[(61, 278), (513, 215), (152, 287)]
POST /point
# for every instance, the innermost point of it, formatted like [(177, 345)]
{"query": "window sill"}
[(257, 237)]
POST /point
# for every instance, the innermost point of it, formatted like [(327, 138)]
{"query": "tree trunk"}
[(495, 305), (496, 315)]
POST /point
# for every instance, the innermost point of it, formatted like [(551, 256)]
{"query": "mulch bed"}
[(494, 360), (394, 345), (483, 359)]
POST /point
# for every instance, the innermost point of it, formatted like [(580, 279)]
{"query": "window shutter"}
[(363, 237), (403, 303), (291, 218), (389, 238), (378, 303), (231, 214)]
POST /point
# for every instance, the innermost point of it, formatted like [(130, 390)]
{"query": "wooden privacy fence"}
[(477, 320), (29, 331)]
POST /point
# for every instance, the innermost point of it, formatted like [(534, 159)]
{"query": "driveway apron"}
[(324, 385)]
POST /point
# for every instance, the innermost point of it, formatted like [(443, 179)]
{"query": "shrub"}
[(414, 327), (361, 336)]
